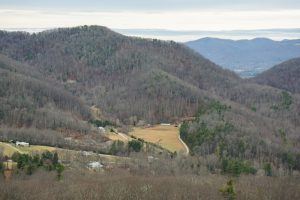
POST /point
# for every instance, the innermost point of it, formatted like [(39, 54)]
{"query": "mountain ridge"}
[(91, 56), (246, 57), (283, 76)]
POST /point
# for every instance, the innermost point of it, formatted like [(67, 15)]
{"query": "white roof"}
[(22, 142), (95, 165)]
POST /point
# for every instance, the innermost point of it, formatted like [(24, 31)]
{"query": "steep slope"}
[(105, 68), (35, 109), (285, 76), (132, 78), (246, 57)]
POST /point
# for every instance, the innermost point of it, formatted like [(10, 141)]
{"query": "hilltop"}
[(122, 75), (284, 76)]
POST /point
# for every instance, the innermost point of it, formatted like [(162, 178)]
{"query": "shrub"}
[(59, 169), (29, 168), (287, 100), (268, 169), (218, 107), (100, 123), (237, 167), (228, 190), (135, 145), (15, 156), (184, 130), (290, 160), (23, 160), (1, 166), (117, 147), (29, 163)]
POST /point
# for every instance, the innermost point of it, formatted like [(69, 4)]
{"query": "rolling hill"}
[(131, 78), (37, 110), (246, 57), (134, 80), (284, 76), (122, 75)]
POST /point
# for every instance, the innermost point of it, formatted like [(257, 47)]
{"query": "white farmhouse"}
[(22, 144)]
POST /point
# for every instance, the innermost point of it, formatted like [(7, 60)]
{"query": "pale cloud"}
[(174, 20), (153, 5)]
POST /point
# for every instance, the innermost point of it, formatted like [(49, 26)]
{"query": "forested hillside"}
[(133, 80), (285, 76), (121, 75), (37, 110)]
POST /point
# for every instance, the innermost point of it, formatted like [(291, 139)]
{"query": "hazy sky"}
[(154, 5), (152, 14)]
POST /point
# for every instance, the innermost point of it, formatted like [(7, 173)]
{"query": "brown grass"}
[(85, 157), (9, 149), (115, 137), (165, 136), (36, 149)]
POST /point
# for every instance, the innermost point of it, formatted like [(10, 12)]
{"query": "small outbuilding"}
[(22, 144), (95, 165), (165, 124), (102, 129)]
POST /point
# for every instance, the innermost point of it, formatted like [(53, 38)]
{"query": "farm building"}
[(165, 124), (102, 129), (22, 144), (95, 166)]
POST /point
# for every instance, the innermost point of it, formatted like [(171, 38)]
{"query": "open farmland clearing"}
[(166, 136)]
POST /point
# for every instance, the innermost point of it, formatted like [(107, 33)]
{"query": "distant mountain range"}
[(190, 35), (246, 57)]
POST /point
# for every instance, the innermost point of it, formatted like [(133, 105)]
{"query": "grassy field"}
[(36, 148), (165, 136), (9, 149), (64, 154), (86, 157)]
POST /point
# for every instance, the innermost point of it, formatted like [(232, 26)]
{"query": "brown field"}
[(115, 136), (8, 149), (165, 136)]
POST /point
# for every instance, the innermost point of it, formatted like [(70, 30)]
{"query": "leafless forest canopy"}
[(50, 80)]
